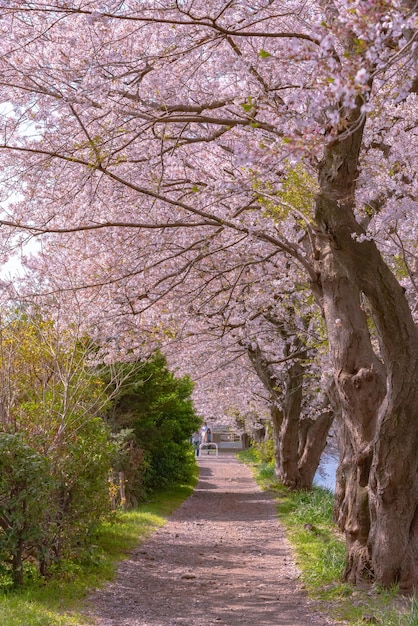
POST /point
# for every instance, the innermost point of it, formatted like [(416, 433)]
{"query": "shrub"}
[(26, 488), (157, 407)]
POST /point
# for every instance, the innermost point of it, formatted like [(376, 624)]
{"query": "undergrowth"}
[(59, 600), (319, 551)]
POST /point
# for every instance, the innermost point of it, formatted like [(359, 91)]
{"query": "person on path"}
[(209, 439), (204, 433), (196, 442)]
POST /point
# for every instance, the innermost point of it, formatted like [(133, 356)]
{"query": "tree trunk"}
[(122, 490), (17, 564), (393, 459), (298, 443), (289, 474), (393, 538), (312, 441), (245, 441), (277, 421), (377, 491), (259, 434)]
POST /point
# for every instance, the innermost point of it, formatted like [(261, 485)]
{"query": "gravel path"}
[(222, 559)]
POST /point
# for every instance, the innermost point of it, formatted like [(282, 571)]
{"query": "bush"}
[(26, 488), (157, 407), (81, 472), (55, 450), (265, 451)]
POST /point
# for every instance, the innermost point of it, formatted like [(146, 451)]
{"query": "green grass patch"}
[(319, 551), (60, 600), (263, 470)]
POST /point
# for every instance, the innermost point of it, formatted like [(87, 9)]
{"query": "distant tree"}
[(157, 407)]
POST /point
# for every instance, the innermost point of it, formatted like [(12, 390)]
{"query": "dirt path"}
[(221, 559)]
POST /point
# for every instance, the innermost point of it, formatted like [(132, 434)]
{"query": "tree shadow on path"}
[(222, 558)]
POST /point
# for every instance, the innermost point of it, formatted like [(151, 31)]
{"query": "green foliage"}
[(249, 456), (55, 445), (295, 197), (261, 455), (25, 492), (263, 54), (157, 407), (60, 601), (248, 105), (399, 266), (129, 460), (81, 472), (321, 552), (265, 451), (298, 189)]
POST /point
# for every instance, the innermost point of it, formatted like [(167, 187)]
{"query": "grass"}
[(60, 601), (319, 551)]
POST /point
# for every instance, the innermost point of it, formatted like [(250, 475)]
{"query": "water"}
[(325, 475)]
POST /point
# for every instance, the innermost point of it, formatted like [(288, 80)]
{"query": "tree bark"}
[(298, 442), (312, 441), (289, 436), (277, 421), (377, 490)]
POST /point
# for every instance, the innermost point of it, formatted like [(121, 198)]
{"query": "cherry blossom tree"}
[(232, 330), (280, 341), (141, 142), (301, 412)]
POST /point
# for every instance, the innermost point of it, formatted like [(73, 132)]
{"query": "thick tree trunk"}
[(377, 492), (377, 487), (245, 441), (393, 483)]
